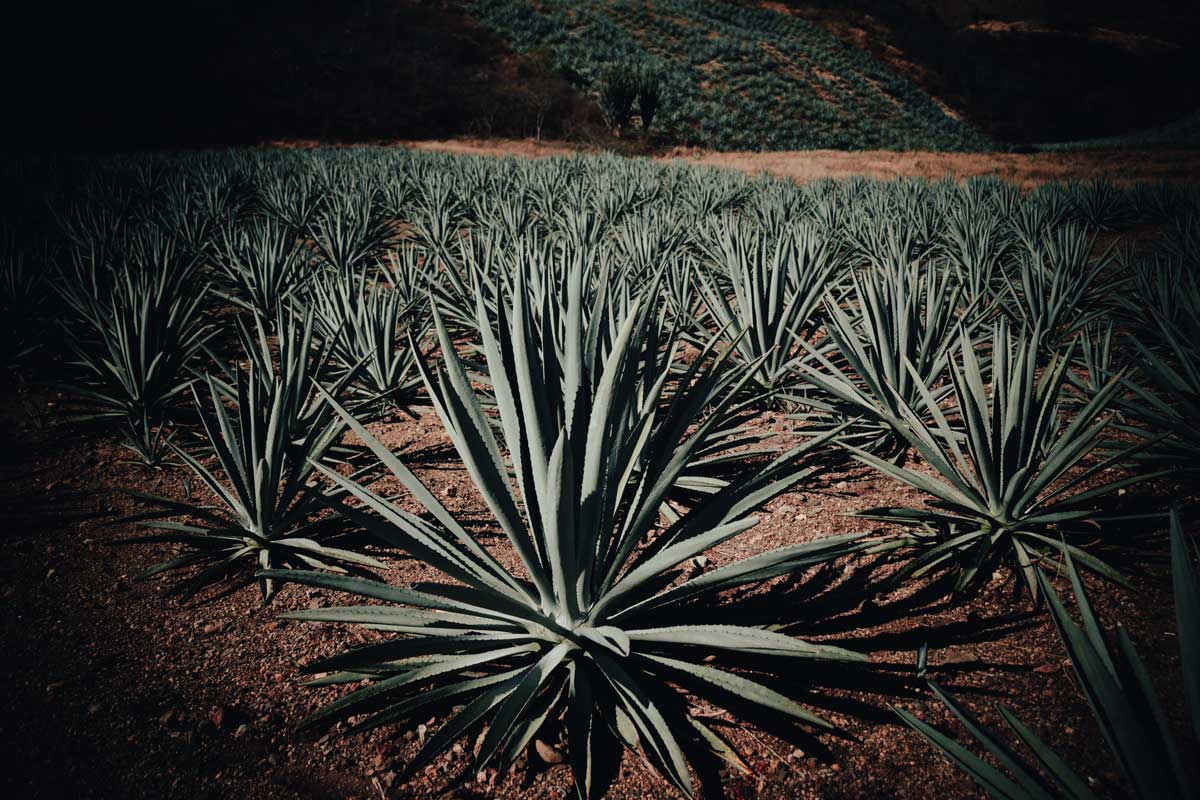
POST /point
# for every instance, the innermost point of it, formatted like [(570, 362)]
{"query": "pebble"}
[(548, 753)]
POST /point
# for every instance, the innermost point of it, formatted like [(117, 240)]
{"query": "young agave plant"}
[(1153, 759), (889, 355), (1166, 405), (267, 446), (975, 247), (364, 324), (1058, 291), (597, 626), (777, 289), (264, 265), (24, 292), (134, 346), (1007, 487), (351, 231), (293, 199), (437, 217)]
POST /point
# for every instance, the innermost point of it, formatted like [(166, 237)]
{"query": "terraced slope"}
[(737, 77)]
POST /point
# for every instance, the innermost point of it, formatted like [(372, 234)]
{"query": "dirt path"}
[(1025, 169)]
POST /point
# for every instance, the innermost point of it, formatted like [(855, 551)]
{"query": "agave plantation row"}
[(597, 336)]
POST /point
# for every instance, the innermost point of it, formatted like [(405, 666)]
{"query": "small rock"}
[(1045, 669), (95, 708), (214, 628), (451, 491), (216, 715), (548, 753), (961, 657), (841, 485)]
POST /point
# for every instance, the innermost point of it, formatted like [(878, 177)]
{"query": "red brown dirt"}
[(113, 690), (1024, 169)]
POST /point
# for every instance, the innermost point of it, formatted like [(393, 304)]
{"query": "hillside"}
[(223, 72), (1031, 71), (731, 74), (736, 76)]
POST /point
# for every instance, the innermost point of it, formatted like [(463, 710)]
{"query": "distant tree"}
[(618, 91), (649, 93)]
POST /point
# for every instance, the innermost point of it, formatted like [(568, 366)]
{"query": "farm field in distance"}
[(517, 400)]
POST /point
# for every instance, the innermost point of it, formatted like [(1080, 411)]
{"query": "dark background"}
[(214, 72)]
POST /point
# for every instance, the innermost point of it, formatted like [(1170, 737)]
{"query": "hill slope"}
[(736, 76)]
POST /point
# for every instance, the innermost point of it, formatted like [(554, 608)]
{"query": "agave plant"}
[(264, 265), (293, 199), (1058, 290), (267, 446), (364, 324), (596, 627), (975, 247), (438, 214), (1154, 760), (1007, 487), (134, 345), (1169, 289), (350, 231), (890, 355), (24, 292), (1100, 203), (1164, 406), (777, 288)]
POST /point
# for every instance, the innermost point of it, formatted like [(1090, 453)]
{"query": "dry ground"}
[(1024, 169), (114, 691)]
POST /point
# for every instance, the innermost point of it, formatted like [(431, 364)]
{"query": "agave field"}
[(629, 360), (735, 76)]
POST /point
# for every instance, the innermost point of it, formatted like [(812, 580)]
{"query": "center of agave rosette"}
[(579, 633)]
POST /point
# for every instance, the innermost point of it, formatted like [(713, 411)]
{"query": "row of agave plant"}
[(597, 336)]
